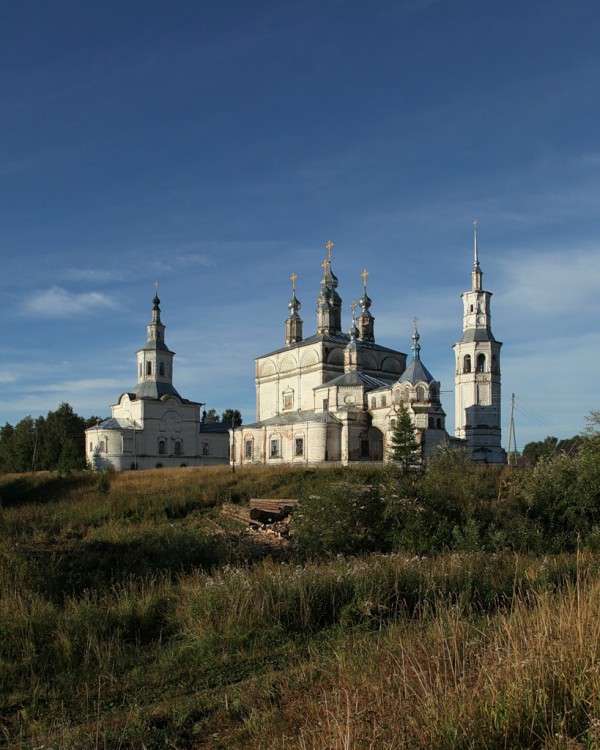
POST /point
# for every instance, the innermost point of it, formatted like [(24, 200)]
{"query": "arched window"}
[(205, 448), (433, 392), (420, 393), (141, 370), (91, 447), (162, 447), (494, 364), (467, 363), (393, 424), (102, 446), (405, 394), (148, 368), (383, 401), (178, 448), (397, 397), (161, 369), (481, 364)]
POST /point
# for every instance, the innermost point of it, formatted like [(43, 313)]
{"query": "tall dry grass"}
[(525, 678), (350, 653)]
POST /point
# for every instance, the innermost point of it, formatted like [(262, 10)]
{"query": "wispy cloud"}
[(57, 302), (551, 283), (97, 275), (83, 384)]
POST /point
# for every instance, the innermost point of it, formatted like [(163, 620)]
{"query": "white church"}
[(331, 398), (334, 397), (152, 425)]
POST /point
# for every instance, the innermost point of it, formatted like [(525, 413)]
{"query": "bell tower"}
[(155, 359), (477, 378)]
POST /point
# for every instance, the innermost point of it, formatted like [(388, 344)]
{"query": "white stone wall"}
[(167, 420)]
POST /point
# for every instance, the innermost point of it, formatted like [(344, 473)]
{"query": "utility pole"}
[(511, 433), (233, 444)]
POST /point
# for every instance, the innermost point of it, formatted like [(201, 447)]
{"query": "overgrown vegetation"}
[(452, 608)]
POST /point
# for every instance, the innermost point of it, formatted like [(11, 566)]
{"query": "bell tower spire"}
[(477, 379), (477, 274)]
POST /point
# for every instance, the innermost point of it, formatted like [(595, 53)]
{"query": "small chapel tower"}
[(329, 303), (477, 379), (293, 324), (155, 359), (366, 321), (353, 352)]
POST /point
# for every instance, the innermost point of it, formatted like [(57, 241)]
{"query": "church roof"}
[(294, 417), (416, 372), (155, 389), (215, 427), (477, 334), (335, 338), (155, 345), (354, 378), (115, 424)]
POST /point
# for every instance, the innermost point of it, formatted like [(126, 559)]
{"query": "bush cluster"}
[(453, 504)]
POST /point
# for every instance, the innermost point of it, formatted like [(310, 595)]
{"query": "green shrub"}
[(344, 518)]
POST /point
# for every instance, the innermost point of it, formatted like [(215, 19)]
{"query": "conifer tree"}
[(403, 443)]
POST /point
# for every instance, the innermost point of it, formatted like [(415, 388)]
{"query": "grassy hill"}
[(134, 615)]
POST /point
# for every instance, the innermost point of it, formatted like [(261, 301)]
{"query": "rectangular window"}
[(299, 446), (325, 404), (205, 449), (288, 401), (274, 452), (248, 449)]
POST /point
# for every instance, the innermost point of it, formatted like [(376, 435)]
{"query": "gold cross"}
[(293, 278), (328, 247), (364, 275), (156, 286), (415, 323), (324, 265)]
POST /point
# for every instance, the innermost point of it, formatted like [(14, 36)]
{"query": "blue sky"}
[(217, 146)]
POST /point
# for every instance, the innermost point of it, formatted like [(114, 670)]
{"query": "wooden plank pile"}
[(264, 516), (270, 511)]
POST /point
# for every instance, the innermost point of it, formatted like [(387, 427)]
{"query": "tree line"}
[(51, 443)]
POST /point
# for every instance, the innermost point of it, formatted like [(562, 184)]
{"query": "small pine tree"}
[(403, 443)]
